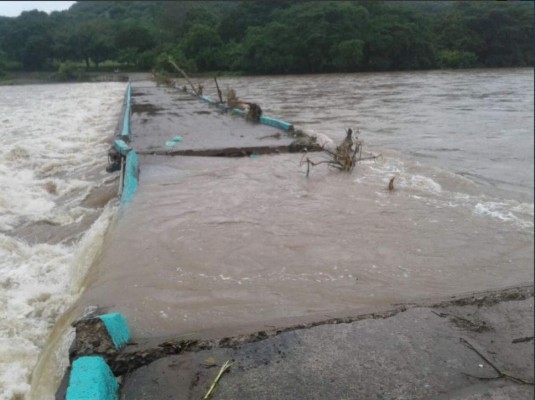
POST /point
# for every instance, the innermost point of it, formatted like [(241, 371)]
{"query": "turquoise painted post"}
[(91, 378), (277, 123), (117, 329), (126, 118), (207, 99), (131, 176), (237, 111), (121, 147)]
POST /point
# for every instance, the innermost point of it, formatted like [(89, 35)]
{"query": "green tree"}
[(136, 46), (348, 56), (456, 59), (396, 43), (90, 42), (176, 53), (315, 28), (202, 44), (230, 56), (199, 16), (505, 36), (136, 37), (101, 50), (269, 49), (276, 36), (28, 39), (3, 63), (36, 52)]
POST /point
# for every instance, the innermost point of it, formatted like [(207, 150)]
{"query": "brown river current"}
[(211, 244)]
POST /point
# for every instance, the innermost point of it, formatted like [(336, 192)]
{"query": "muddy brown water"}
[(216, 245), (225, 245)]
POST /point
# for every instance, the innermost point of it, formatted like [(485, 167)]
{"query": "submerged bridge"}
[(171, 122), (173, 306)]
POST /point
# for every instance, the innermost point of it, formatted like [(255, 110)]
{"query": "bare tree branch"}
[(170, 60)]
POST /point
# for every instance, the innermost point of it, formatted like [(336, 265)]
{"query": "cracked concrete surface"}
[(415, 354)]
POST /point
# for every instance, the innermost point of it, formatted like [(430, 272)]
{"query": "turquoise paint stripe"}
[(207, 99), (131, 176), (91, 378), (126, 117), (237, 111), (117, 329), (121, 147), (276, 123)]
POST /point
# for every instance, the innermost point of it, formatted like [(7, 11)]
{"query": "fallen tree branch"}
[(219, 94), (344, 157), (522, 340), (310, 162), (170, 60)]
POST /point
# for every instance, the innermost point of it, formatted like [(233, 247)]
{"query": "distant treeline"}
[(271, 37)]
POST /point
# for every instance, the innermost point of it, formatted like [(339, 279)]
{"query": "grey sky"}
[(14, 8)]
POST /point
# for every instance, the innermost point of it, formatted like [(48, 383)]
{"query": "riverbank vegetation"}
[(268, 37)]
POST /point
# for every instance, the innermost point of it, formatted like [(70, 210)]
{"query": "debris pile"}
[(344, 157)]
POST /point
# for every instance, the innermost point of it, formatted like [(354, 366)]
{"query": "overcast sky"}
[(14, 8)]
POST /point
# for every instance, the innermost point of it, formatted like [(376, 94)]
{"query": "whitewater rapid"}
[(53, 148)]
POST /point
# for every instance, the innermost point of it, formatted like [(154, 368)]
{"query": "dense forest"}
[(270, 37)]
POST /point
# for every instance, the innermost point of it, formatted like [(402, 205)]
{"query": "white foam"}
[(420, 183), (507, 212), (33, 287), (53, 137), (88, 248), (322, 139), (424, 183)]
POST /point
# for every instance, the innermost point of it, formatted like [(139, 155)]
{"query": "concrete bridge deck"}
[(160, 114)]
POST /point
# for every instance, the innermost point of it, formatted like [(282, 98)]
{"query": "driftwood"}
[(219, 94), (232, 99), (523, 339), (391, 184), (344, 157), (254, 110), (170, 60), (254, 113)]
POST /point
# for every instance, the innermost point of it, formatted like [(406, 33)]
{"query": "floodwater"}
[(477, 123), (222, 245)]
